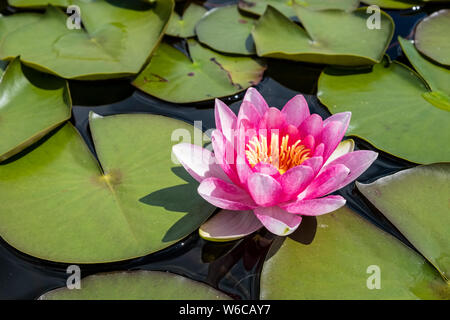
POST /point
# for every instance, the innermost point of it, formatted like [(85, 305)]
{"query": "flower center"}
[(282, 156)]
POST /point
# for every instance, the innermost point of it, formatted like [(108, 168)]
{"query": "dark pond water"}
[(232, 267)]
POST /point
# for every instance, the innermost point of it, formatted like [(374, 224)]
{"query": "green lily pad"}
[(30, 106), (226, 30), (416, 201), (339, 255), (137, 285), (116, 41), (437, 77), (431, 36), (286, 6), (394, 4), (60, 204), (389, 110), (184, 27), (330, 37), (172, 76)]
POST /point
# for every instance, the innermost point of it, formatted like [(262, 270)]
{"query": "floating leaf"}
[(58, 204), (225, 29), (117, 40), (437, 77), (416, 201), (431, 36), (389, 111), (30, 106), (184, 27), (339, 256), (331, 37), (137, 285), (173, 77), (394, 4), (286, 6)]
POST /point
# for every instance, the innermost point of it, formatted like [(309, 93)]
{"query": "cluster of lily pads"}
[(60, 203)]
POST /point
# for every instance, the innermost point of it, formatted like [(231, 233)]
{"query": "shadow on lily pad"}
[(177, 198)]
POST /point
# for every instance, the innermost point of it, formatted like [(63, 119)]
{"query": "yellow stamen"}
[(283, 156)]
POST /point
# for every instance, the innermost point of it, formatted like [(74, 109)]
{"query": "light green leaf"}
[(330, 37), (116, 41), (31, 105), (226, 30), (416, 201), (389, 111), (172, 76), (184, 27), (431, 37), (59, 205), (340, 256), (286, 6), (137, 285)]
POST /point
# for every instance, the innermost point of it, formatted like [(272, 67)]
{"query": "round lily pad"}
[(60, 204), (184, 27), (30, 106), (389, 110), (137, 285), (116, 40), (226, 30), (342, 256), (174, 77), (431, 36), (328, 37), (416, 201)]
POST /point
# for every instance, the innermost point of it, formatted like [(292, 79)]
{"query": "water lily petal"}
[(334, 129), (265, 190), (343, 147), (273, 119), (295, 180), (243, 169), (225, 195), (309, 142), (315, 207), (326, 182), (277, 220), (248, 116), (296, 110), (267, 168), (229, 225), (198, 162), (315, 163), (225, 120), (357, 161), (318, 152), (311, 126), (225, 155), (252, 95)]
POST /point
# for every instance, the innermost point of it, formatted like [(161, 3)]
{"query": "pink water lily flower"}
[(271, 167)]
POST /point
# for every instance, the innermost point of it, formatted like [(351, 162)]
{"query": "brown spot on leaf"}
[(243, 21), (191, 74)]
